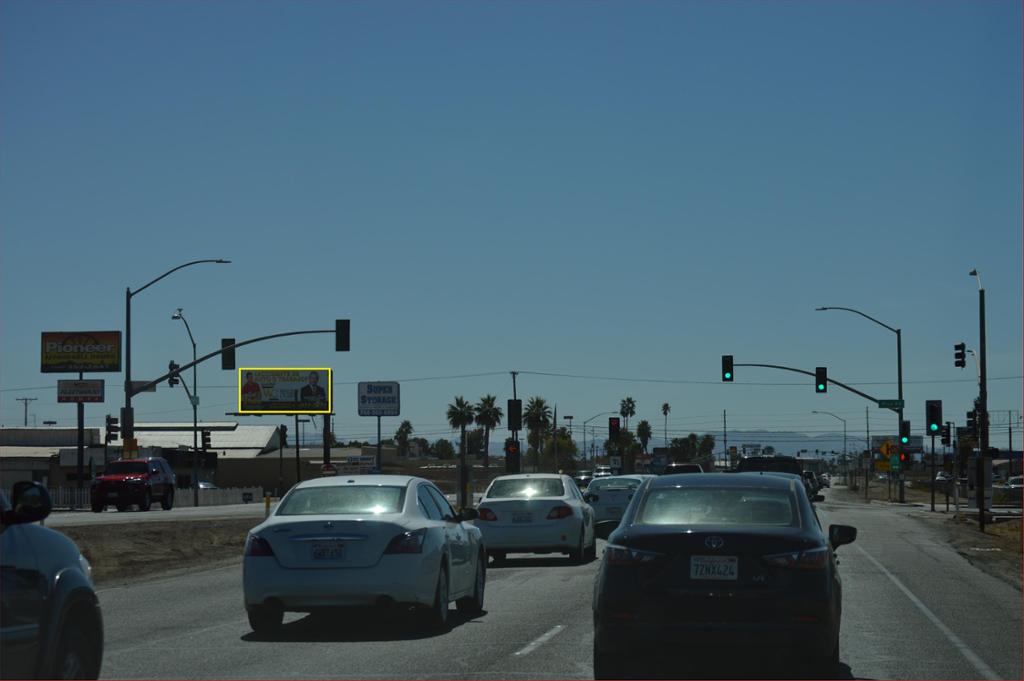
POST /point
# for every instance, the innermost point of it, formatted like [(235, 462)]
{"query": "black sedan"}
[(703, 566)]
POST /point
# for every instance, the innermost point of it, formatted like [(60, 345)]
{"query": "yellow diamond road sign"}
[(885, 448)]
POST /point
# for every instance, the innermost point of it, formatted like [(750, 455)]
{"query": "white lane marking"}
[(979, 664), (540, 640)]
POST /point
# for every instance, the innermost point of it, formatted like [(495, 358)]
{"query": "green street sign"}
[(894, 462), (890, 404)]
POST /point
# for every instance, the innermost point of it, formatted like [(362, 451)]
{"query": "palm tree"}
[(537, 417), (665, 409), (461, 414), (643, 433), (402, 438), (488, 415), (627, 408)]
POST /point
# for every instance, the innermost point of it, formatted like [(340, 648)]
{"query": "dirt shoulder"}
[(997, 552), (125, 553)]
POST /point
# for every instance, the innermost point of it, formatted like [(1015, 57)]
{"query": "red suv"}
[(134, 481)]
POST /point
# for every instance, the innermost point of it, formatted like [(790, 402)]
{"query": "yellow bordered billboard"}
[(292, 390)]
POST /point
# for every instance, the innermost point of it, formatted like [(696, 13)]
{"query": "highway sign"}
[(379, 399), (894, 462), (890, 404)]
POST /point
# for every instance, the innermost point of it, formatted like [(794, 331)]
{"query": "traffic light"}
[(960, 355), (112, 429), (903, 457), (727, 368), (515, 415), (972, 423), (512, 456), (172, 369), (341, 327), (933, 416), (821, 379), (613, 428), (283, 429), (227, 357), (206, 441), (946, 440), (904, 432)]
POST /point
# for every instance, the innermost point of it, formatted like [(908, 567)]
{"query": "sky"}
[(605, 197)]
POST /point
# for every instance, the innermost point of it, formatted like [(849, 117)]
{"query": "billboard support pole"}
[(379, 457), (81, 440), (327, 438), (298, 463)]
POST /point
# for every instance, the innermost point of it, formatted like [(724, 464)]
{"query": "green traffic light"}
[(904, 439), (821, 387), (728, 374), (934, 427)]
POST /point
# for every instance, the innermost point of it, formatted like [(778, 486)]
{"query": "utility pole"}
[(870, 463), (980, 483), (26, 400), (725, 437)]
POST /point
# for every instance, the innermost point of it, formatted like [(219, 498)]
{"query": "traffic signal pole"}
[(899, 380), (980, 485)]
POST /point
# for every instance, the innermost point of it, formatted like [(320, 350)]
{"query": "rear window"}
[(718, 506), (613, 483), (351, 499), (527, 488), (125, 467)]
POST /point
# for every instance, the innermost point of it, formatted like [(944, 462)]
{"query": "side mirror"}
[(841, 534), (31, 503), (468, 514), (818, 497), (604, 528)]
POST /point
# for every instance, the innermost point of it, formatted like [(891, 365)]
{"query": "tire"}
[(435, 619), (98, 507), (576, 555), (591, 553), (609, 666), (146, 501), (77, 657), (474, 605), (264, 620), (122, 507), (167, 503)]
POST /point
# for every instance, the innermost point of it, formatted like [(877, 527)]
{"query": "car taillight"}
[(559, 512), (812, 559), (257, 546), (408, 542), (487, 514), (624, 555)]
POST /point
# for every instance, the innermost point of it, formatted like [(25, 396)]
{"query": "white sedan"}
[(610, 496), (356, 540), (537, 513)]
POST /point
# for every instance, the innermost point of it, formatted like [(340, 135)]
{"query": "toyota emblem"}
[(714, 542)]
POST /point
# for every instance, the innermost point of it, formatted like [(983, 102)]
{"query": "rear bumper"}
[(561, 536), (125, 494), (775, 640)]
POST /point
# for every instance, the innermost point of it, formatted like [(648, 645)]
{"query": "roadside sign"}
[(328, 469), (74, 351), (882, 465), (890, 404), (615, 461), (885, 448), (80, 391), (285, 391), (381, 398), (894, 462)]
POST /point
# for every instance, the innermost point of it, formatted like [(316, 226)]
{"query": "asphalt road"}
[(913, 608)]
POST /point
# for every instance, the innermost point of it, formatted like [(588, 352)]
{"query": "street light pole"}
[(844, 432), (980, 484), (194, 398), (899, 376), (128, 418), (603, 413)]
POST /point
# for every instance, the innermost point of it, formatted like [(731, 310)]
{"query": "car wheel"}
[(474, 605), (167, 503), (98, 508), (591, 553), (608, 666), (76, 657), (122, 507), (146, 502), (436, 619), (264, 620), (576, 555)]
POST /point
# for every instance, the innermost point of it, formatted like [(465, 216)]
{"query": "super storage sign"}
[(70, 351), (379, 399)]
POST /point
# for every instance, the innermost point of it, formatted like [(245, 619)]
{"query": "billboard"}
[(71, 351), (379, 399), (300, 390), (80, 391)]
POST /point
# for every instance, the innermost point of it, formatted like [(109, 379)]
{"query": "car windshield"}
[(717, 506), (347, 500), (526, 488), (125, 467), (613, 483)]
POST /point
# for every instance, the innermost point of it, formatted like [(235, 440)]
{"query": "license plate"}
[(714, 567), (522, 517), (328, 551)]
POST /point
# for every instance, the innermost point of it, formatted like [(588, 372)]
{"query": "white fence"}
[(73, 497)]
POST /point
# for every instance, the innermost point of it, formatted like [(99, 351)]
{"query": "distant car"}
[(700, 562), (207, 485), (824, 480), (134, 481), (602, 471), (674, 468), (812, 482), (943, 476), (610, 496), (537, 513), (51, 627), (583, 481), (1012, 490), (362, 540)]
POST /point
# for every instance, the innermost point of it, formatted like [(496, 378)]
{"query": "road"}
[(913, 608)]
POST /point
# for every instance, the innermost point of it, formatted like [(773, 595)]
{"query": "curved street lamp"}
[(603, 413), (194, 399), (845, 464)]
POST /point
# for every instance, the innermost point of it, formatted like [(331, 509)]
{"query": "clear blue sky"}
[(613, 189)]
